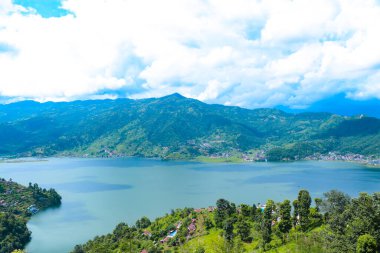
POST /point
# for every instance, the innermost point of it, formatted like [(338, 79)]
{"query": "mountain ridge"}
[(176, 127)]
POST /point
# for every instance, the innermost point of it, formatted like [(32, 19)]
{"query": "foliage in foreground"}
[(336, 223), (14, 213)]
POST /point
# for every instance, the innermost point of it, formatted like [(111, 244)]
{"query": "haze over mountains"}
[(177, 127), (340, 104)]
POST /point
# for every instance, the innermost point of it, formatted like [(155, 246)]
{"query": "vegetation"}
[(336, 223), (17, 204), (13, 233), (174, 127)]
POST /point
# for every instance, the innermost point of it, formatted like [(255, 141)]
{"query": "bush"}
[(366, 244)]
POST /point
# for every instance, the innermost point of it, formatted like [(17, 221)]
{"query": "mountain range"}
[(176, 127)]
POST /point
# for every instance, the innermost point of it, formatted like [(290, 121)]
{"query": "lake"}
[(99, 193)]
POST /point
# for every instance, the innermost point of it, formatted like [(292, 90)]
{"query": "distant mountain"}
[(177, 127)]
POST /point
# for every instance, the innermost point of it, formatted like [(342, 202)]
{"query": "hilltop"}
[(176, 127)]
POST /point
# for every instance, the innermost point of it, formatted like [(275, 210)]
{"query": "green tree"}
[(366, 244), (142, 223), (224, 210), (304, 202), (316, 218), (285, 223), (295, 213), (13, 233), (208, 223), (200, 249), (318, 203), (244, 230), (266, 225), (245, 210), (78, 249), (361, 217), (334, 204), (254, 212), (228, 229)]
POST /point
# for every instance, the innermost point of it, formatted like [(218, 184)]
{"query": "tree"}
[(126, 245), (366, 244), (254, 212), (200, 249), (223, 211), (295, 213), (223, 205), (245, 210), (285, 223), (13, 233), (78, 249), (334, 204), (122, 230), (208, 223), (266, 226), (316, 218), (318, 203), (304, 202), (244, 230), (142, 223), (228, 230), (361, 217)]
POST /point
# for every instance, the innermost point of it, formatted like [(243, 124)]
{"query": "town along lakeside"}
[(234, 156)]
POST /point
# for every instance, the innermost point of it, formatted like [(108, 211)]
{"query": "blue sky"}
[(45, 8), (292, 53)]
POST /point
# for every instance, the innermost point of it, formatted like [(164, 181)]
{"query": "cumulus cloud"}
[(242, 52)]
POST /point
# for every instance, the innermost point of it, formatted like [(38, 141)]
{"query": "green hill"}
[(179, 128), (335, 223), (17, 204)]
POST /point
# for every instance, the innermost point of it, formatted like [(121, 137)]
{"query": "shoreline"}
[(201, 159)]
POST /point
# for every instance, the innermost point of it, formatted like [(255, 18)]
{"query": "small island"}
[(334, 223), (17, 204)]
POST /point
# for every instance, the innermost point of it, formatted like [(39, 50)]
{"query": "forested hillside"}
[(178, 127), (17, 204), (335, 223)]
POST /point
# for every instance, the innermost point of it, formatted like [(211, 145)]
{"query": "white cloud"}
[(243, 52)]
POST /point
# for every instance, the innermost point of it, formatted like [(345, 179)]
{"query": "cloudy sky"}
[(234, 52)]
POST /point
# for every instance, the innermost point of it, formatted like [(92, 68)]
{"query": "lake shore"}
[(371, 163)]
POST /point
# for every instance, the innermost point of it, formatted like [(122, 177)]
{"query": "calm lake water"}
[(100, 193)]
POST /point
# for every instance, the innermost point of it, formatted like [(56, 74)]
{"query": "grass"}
[(211, 242), (207, 159)]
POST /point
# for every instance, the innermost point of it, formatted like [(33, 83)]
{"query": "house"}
[(32, 209), (191, 228), (3, 203), (165, 240), (147, 233)]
